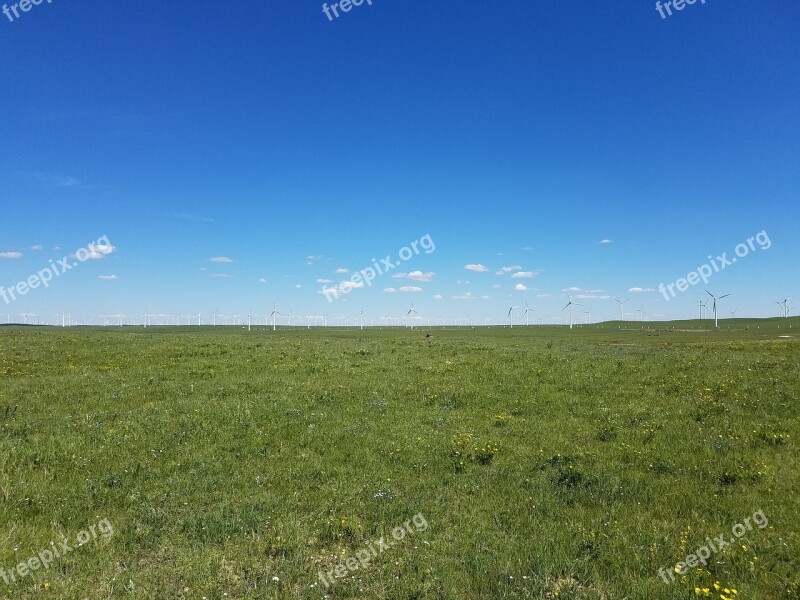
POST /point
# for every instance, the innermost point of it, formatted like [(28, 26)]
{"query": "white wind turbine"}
[(588, 314), (361, 319), (511, 315), (249, 316), (621, 310), (485, 320), (569, 306), (411, 311), (714, 305), (528, 309), (273, 315), (784, 306)]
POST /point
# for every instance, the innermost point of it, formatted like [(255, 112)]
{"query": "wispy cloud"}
[(324, 281), (592, 297), (524, 274), (477, 268), (521, 287), (220, 275), (606, 242), (222, 260), (37, 247), (313, 258), (415, 276), (10, 254), (544, 295), (342, 271), (410, 288), (640, 290), (438, 297), (504, 270), (108, 277), (467, 296), (389, 290)]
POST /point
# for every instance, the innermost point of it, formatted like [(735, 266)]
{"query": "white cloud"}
[(524, 274), (298, 286), (310, 260), (639, 290), (389, 290), (467, 296), (220, 275), (477, 268), (527, 247), (37, 247), (108, 277), (10, 254), (520, 288), (341, 271), (504, 270), (592, 297), (324, 281), (99, 251), (221, 259), (346, 286), (410, 288), (497, 286), (438, 297), (606, 242), (572, 289), (544, 296), (262, 280), (415, 276)]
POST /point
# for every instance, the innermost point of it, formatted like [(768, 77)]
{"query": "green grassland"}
[(548, 463)]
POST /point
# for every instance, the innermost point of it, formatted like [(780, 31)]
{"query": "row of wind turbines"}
[(410, 318)]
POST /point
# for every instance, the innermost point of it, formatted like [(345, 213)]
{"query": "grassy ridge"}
[(545, 461)]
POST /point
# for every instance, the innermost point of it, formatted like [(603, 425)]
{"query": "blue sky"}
[(518, 135)]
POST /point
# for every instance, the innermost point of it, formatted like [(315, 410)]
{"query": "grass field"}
[(546, 463)]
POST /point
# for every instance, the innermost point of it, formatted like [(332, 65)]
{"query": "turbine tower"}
[(273, 315), (528, 309), (409, 313), (569, 306), (714, 305), (511, 315), (621, 311)]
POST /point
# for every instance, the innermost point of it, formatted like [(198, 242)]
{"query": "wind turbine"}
[(784, 306), (361, 319), (569, 306), (790, 309), (511, 315), (588, 314), (621, 311), (273, 315), (485, 320), (733, 313), (714, 305), (410, 312), (249, 315), (528, 309), (641, 313)]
